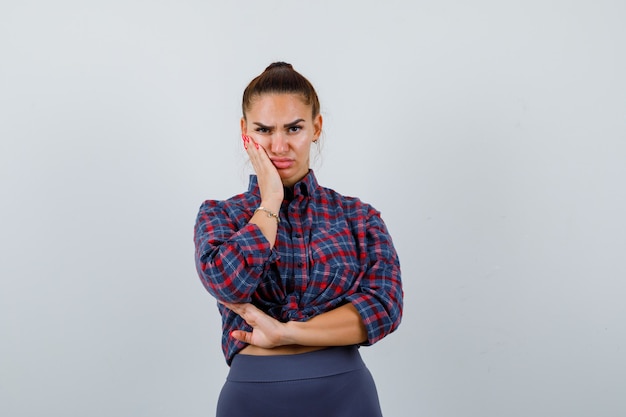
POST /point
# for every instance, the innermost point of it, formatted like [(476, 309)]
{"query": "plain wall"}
[(490, 134)]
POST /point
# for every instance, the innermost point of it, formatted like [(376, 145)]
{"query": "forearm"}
[(267, 223), (339, 327)]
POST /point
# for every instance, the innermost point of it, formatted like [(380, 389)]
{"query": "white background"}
[(490, 134)]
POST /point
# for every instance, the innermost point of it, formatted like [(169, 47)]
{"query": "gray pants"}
[(332, 382)]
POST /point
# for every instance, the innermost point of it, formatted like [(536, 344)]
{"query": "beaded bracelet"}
[(269, 213)]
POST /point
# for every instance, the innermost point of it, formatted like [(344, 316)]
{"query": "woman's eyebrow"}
[(286, 125), (295, 122)]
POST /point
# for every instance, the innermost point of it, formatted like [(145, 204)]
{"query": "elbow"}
[(391, 323), (223, 286), (395, 302), (395, 314), (397, 309), (389, 318), (224, 293), (385, 320), (396, 319)]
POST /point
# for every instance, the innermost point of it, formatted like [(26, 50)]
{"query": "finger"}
[(256, 153), (231, 306), (255, 146), (250, 146), (241, 309), (249, 142), (242, 336)]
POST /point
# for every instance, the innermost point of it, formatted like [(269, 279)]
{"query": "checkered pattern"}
[(330, 250)]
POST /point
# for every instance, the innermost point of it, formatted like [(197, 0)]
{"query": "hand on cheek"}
[(270, 183)]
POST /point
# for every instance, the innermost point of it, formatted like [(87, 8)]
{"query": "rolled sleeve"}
[(379, 299), (231, 254)]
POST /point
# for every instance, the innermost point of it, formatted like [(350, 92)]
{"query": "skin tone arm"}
[(339, 327)]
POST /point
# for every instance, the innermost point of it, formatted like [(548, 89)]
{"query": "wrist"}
[(290, 334), (269, 213), (272, 205)]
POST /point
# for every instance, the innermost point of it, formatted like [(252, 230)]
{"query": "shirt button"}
[(300, 264), (298, 235)]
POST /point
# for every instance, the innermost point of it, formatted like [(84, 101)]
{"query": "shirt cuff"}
[(375, 317)]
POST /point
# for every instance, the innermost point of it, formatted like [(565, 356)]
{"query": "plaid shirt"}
[(330, 250)]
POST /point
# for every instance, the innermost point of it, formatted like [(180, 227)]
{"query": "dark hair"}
[(280, 77)]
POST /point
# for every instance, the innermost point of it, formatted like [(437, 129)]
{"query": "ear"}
[(244, 126), (317, 127)]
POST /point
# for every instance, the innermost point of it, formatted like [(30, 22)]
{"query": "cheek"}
[(260, 139), (304, 149)]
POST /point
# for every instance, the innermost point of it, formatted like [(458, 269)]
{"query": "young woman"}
[(303, 275)]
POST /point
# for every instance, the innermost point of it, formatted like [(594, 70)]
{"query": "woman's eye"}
[(262, 129), (294, 129)]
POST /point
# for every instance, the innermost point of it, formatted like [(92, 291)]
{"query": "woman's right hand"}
[(270, 183)]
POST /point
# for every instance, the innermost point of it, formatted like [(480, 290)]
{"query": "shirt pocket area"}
[(334, 269)]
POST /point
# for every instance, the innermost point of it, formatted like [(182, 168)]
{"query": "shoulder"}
[(348, 203), (231, 207)]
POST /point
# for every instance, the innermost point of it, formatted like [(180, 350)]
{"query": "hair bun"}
[(279, 64), (280, 78)]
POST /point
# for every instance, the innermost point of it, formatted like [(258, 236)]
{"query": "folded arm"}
[(339, 327)]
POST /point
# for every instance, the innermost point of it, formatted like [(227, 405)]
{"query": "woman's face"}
[(283, 125)]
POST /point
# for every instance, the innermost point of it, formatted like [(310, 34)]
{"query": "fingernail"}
[(256, 145)]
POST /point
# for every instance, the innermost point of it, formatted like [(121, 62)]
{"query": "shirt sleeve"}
[(379, 300), (231, 254)]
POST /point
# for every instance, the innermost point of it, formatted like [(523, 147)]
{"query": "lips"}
[(282, 163)]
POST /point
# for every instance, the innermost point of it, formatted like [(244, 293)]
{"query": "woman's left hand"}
[(267, 332)]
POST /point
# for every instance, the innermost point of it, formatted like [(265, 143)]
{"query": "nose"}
[(279, 143)]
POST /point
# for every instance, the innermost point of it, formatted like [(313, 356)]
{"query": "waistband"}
[(316, 364)]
